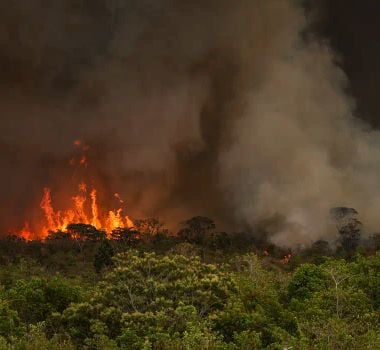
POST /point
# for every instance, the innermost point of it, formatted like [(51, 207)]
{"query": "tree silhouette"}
[(85, 232), (349, 228), (150, 227), (196, 229), (129, 236)]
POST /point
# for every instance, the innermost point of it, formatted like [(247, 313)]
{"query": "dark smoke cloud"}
[(224, 108)]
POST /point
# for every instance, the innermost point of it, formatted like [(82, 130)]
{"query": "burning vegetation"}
[(59, 221), (83, 208)]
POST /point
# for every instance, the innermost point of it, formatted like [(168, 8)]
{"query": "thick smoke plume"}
[(231, 109)]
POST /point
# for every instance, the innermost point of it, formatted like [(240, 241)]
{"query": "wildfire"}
[(286, 259), (83, 161), (55, 221), (26, 232), (83, 208)]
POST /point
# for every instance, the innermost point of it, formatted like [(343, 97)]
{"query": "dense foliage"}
[(201, 289)]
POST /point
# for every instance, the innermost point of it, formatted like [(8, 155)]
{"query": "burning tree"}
[(85, 232), (129, 236), (83, 207), (150, 227)]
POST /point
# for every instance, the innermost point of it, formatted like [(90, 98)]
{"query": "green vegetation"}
[(201, 289)]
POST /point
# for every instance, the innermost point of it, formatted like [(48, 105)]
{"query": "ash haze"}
[(232, 109)]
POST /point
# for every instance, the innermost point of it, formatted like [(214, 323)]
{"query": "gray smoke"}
[(224, 108)]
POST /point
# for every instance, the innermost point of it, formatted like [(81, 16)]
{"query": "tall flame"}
[(82, 210), (90, 214), (95, 211), (46, 206)]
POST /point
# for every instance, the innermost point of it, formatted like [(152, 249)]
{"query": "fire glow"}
[(56, 221), (82, 209)]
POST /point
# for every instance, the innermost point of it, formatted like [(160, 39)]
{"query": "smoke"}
[(231, 109), (298, 150)]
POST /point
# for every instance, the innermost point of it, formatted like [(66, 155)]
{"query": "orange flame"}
[(94, 209), (26, 233), (82, 210), (48, 209), (286, 259), (83, 160), (79, 213), (114, 220)]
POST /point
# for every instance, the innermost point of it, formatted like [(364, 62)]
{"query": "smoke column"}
[(231, 109)]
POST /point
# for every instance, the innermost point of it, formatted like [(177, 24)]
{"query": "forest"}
[(256, 123), (147, 288)]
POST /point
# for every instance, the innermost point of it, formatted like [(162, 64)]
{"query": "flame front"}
[(84, 207), (80, 212)]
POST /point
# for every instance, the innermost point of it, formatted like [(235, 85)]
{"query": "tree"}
[(254, 315), (219, 240), (367, 277), (339, 273), (145, 296), (320, 248), (15, 238), (196, 229), (337, 316), (58, 235), (36, 299), (306, 280), (150, 228), (36, 338), (82, 233), (85, 232), (349, 228), (127, 236), (10, 323), (103, 256)]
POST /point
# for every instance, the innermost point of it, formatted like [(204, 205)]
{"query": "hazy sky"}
[(236, 109)]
